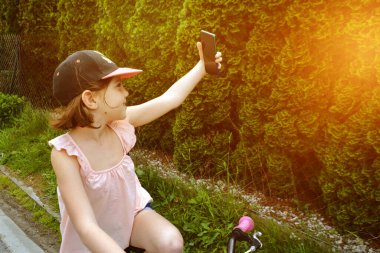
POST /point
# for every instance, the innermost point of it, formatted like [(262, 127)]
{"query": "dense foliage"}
[(310, 124), (10, 107), (150, 33), (75, 26), (8, 12), (294, 113), (37, 21), (205, 137)]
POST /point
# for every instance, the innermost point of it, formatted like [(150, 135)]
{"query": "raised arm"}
[(142, 114), (78, 206)]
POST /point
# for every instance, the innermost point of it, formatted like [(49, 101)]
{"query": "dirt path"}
[(47, 240)]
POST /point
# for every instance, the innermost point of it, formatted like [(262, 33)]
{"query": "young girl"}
[(102, 203)]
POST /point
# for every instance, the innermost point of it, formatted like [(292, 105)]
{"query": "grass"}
[(204, 216), (37, 213), (24, 149)]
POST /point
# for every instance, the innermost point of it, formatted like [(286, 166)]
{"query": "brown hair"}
[(76, 113)]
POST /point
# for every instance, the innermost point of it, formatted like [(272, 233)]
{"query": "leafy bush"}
[(39, 47), (205, 129), (8, 21), (10, 107), (352, 174), (75, 26), (143, 37), (309, 108), (350, 180)]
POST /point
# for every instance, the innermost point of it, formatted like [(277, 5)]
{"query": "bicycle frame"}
[(132, 249)]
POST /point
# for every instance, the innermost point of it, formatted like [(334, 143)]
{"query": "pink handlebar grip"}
[(246, 224)]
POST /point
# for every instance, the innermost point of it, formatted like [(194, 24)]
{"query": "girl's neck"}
[(88, 133)]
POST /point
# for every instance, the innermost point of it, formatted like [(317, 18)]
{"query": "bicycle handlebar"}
[(240, 233), (246, 224)]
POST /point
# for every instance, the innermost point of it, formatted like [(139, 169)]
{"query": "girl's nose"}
[(126, 93)]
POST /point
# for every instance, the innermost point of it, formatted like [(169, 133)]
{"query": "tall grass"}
[(204, 216), (26, 152)]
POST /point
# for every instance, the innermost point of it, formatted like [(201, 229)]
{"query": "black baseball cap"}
[(81, 68)]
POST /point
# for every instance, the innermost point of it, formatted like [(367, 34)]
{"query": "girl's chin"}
[(124, 115)]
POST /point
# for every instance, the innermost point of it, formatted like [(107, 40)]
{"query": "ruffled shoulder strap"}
[(126, 132), (65, 142)]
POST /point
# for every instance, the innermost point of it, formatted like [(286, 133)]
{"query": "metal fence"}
[(10, 70), (22, 71)]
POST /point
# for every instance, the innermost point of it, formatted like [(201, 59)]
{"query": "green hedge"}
[(205, 128), (308, 111), (8, 14), (37, 21), (75, 26), (112, 28), (350, 179), (152, 35)]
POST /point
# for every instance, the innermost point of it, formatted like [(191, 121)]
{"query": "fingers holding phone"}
[(218, 59)]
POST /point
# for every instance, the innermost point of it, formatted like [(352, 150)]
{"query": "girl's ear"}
[(88, 98)]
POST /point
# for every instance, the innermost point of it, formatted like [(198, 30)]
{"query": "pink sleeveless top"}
[(115, 194)]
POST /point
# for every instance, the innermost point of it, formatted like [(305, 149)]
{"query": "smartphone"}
[(209, 50)]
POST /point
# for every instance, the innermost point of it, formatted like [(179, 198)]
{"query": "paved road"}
[(3, 247), (13, 239)]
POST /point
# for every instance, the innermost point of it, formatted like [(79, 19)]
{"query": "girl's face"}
[(114, 102)]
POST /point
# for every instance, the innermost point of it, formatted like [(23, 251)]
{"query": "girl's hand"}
[(218, 57)]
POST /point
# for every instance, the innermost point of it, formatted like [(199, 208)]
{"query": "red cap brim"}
[(123, 73)]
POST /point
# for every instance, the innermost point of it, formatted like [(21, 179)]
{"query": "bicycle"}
[(239, 233), (132, 249)]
